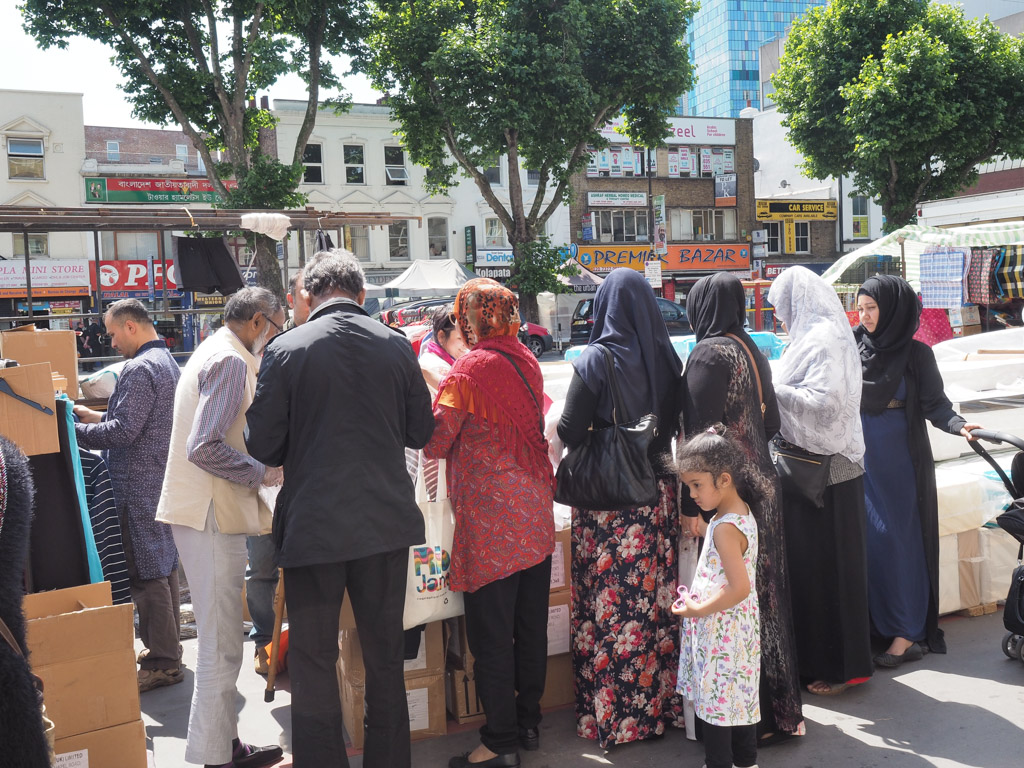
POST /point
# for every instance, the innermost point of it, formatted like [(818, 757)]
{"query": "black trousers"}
[(507, 629), (726, 746), (314, 593)]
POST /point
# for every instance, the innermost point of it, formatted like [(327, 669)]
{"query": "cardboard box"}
[(425, 697), (456, 643), (559, 623), (960, 567), (83, 649), (998, 560), (28, 344), (34, 432), (347, 619), (971, 330), (561, 560), (464, 704), (429, 662), (558, 686), (123, 746)]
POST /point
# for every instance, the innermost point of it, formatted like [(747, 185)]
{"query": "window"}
[(155, 160), (313, 160), (38, 245), (200, 165), (398, 240), (494, 234), (25, 159), (357, 240), (355, 164), (181, 152), (394, 167), (493, 175), (625, 226), (621, 162), (437, 234), (532, 177), (113, 152), (802, 235), (774, 236), (703, 224), (860, 218)]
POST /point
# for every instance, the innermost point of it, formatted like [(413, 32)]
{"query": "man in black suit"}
[(338, 400)]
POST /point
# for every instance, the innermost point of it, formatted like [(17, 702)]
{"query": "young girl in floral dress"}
[(720, 651)]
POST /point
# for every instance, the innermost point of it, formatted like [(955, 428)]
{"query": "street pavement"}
[(965, 708)]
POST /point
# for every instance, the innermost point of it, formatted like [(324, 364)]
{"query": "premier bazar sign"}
[(100, 189), (685, 257)]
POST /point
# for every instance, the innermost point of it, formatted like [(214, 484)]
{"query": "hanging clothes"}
[(95, 567), (206, 266), (106, 527)]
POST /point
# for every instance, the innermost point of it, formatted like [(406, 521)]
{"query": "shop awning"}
[(584, 281), (913, 240)]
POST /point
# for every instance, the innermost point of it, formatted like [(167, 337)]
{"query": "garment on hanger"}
[(106, 528), (206, 266), (95, 567)]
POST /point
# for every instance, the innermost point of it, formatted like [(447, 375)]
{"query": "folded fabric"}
[(273, 225)]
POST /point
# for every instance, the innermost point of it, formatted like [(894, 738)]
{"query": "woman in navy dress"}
[(902, 389)]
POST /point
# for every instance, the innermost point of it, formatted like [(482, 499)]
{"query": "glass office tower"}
[(724, 39)]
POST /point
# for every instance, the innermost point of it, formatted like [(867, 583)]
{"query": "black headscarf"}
[(885, 351), (627, 322), (717, 306)]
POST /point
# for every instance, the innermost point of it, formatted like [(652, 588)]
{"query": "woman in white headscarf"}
[(818, 385)]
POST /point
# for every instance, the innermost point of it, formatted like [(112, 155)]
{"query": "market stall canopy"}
[(425, 278), (913, 240), (584, 281)]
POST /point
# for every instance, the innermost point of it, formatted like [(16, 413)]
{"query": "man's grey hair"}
[(244, 304), (128, 309), (334, 270)]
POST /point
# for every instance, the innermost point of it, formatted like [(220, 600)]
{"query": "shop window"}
[(133, 246), (181, 153), (355, 164), (774, 236), (25, 159), (398, 240), (494, 234), (493, 175), (702, 224), (532, 177), (622, 226), (860, 218), (357, 240), (394, 167), (313, 160), (113, 152), (802, 236), (437, 235), (38, 245)]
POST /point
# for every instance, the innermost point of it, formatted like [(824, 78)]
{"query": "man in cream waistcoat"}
[(210, 499)]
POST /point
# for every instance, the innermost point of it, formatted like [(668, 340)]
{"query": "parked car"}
[(535, 337), (676, 321)]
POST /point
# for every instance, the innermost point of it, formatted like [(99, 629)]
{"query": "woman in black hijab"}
[(902, 388), (720, 385), (625, 640)]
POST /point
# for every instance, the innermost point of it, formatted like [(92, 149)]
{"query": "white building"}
[(355, 163)]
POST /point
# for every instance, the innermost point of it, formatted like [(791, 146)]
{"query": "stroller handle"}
[(998, 437)]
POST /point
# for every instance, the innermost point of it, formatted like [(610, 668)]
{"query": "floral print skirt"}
[(625, 639)]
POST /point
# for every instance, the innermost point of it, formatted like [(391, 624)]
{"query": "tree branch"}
[(218, 74), (515, 188), (564, 181), (542, 187), (317, 27)]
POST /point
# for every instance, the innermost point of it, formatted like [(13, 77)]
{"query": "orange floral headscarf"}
[(485, 309)]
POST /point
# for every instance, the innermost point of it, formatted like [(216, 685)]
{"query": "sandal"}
[(150, 679), (821, 688)]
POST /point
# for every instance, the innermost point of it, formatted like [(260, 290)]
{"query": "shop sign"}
[(771, 271), (660, 227), (135, 280), (208, 300), (681, 130), (50, 277), (797, 210), (492, 258), (616, 199), (652, 273), (695, 257), (65, 307), (99, 189), (495, 273)]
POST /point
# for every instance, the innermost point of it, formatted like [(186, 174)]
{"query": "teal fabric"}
[(95, 568)]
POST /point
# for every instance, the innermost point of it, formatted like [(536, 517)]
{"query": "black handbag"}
[(801, 473), (610, 470)]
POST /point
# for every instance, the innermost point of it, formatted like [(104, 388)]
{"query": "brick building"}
[(704, 170)]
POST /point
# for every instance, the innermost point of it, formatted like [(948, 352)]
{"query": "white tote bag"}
[(428, 593)]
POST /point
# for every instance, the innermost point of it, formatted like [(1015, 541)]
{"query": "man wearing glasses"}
[(210, 500)]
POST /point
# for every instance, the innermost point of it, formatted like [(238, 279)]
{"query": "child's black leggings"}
[(726, 746)]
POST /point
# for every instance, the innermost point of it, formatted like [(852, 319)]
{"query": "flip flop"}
[(831, 689)]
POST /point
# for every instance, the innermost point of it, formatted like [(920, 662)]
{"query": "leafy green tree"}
[(530, 80), (906, 97), (200, 63)]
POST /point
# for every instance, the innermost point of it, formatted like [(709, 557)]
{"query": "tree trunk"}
[(268, 268), (527, 300)]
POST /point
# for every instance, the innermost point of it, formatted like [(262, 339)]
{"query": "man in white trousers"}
[(210, 499)]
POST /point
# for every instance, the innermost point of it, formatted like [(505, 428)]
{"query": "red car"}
[(535, 337)]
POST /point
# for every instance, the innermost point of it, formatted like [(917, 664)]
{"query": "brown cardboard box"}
[(428, 663), (461, 697), (971, 330), (558, 686), (83, 649), (559, 623), (425, 697), (561, 559), (347, 620), (28, 345), (961, 565), (34, 432), (123, 746), (456, 644)]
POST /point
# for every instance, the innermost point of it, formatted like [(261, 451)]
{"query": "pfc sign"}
[(797, 210)]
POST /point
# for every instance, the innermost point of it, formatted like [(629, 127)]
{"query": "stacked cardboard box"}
[(83, 649), (965, 321), (424, 685), (27, 344), (460, 685)]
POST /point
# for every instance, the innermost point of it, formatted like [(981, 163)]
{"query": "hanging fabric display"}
[(942, 278), (981, 276), (1010, 272)]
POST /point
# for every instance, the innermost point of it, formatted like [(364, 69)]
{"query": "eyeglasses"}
[(271, 321)]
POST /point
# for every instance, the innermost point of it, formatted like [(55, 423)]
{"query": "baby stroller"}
[(1011, 521)]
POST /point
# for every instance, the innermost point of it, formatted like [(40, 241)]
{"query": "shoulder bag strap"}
[(613, 381), (528, 387), (9, 637), (757, 374)]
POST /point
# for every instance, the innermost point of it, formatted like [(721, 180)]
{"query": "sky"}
[(84, 67)]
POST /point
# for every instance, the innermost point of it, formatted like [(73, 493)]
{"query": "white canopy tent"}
[(424, 278), (913, 240)]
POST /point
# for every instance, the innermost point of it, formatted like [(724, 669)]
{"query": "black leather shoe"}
[(891, 660), (529, 739), (248, 756), (508, 760)]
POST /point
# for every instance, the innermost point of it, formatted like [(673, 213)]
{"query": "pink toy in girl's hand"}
[(684, 592)]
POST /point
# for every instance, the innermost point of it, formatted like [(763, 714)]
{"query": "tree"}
[(906, 97), (200, 63), (531, 80)]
